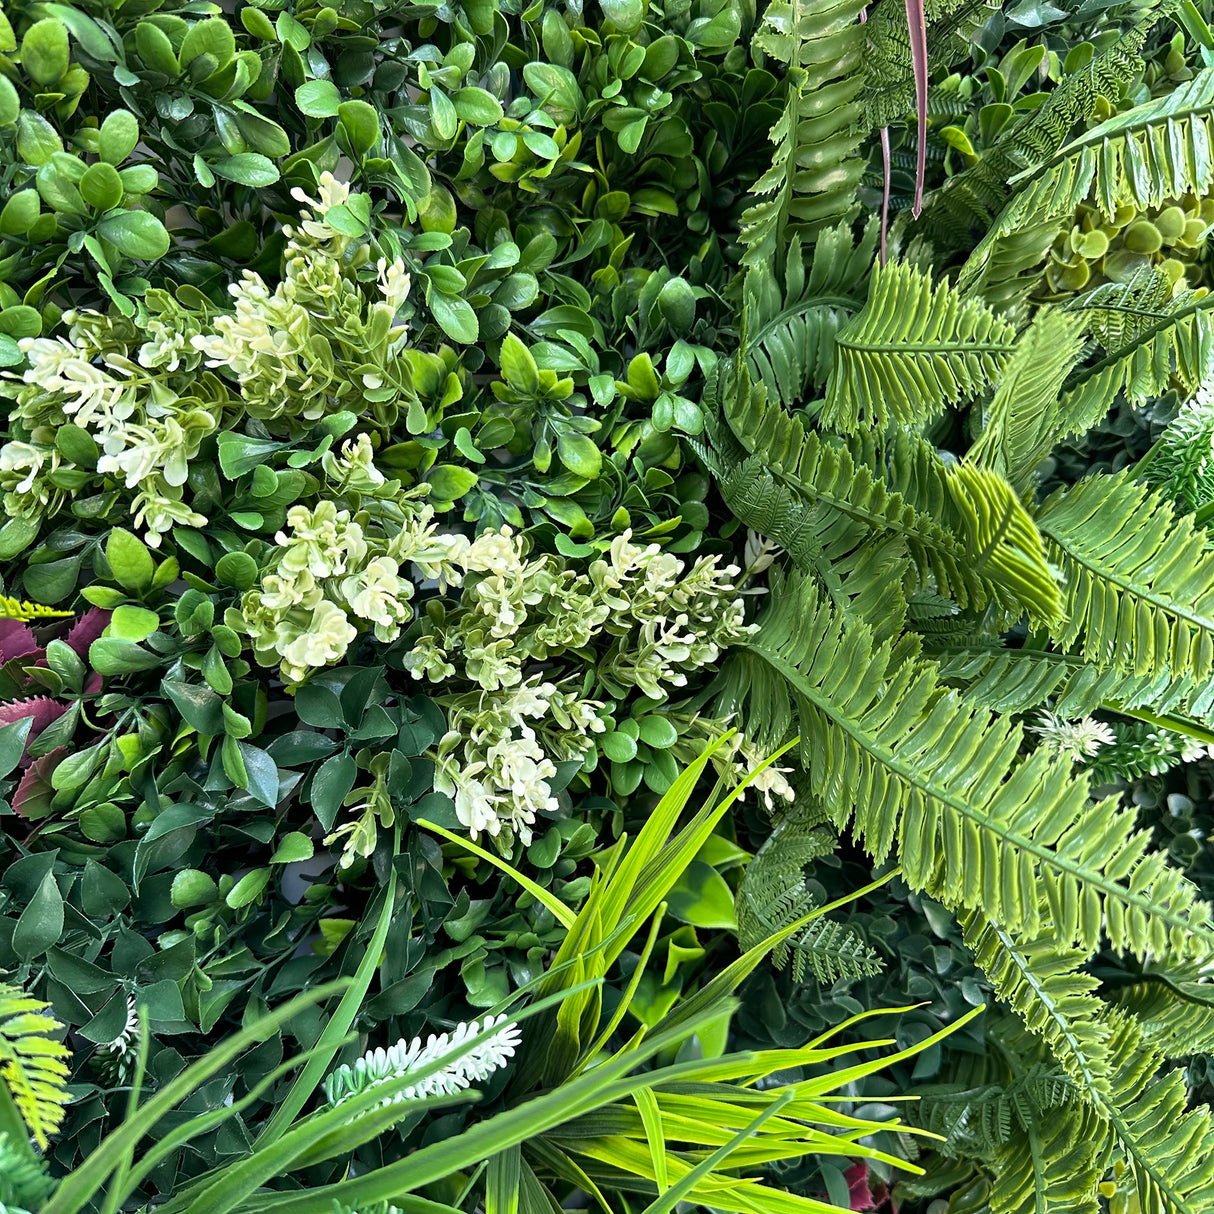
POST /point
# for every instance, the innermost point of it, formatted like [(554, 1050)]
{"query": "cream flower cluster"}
[(499, 756), (334, 575), (145, 431), (652, 618)]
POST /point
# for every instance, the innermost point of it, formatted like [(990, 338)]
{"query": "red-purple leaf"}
[(16, 641), (916, 26), (87, 629), (32, 796), (43, 709)]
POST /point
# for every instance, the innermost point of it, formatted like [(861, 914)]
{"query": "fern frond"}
[(1168, 1148), (910, 351), (1139, 580), (1174, 1011), (967, 203), (940, 778), (1181, 464), (1053, 1164), (32, 1063), (1019, 680), (790, 332), (22, 609), (812, 180), (24, 1182), (1170, 1152), (774, 894), (847, 505), (1021, 421), (1165, 339)]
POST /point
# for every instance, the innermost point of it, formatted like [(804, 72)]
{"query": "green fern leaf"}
[(1174, 1011), (812, 180), (33, 1064), (912, 350), (1139, 579), (1181, 463), (1052, 1166), (790, 332), (1021, 423), (921, 768), (1153, 341)]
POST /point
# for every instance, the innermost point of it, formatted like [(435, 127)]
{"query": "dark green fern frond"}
[(1021, 426), (942, 780), (889, 95), (1138, 578), (1171, 338), (790, 331), (910, 351), (815, 168), (33, 1063)]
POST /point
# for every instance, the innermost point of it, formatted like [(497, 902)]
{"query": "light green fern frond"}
[(24, 1183), (846, 506), (33, 1064), (941, 780), (812, 180), (1138, 578), (22, 609), (1052, 1164), (1021, 422), (910, 351), (790, 329), (1138, 1114), (1174, 1011), (1019, 680)]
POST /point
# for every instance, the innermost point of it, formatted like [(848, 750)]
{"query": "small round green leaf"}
[(136, 234), (118, 136)]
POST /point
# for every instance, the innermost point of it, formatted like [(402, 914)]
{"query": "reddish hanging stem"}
[(885, 175), (916, 25)]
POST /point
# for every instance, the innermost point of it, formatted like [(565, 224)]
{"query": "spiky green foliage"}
[(32, 1062), (914, 348), (1139, 579), (23, 609), (1181, 464), (815, 169), (940, 781), (24, 1183), (791, 326)]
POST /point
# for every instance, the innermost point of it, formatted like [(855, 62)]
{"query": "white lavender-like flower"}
[(381, 1066), (1074, 740)]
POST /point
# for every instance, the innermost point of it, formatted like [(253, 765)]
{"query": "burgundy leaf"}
[(32, 797), (916, 26), (87, 629), (16, 641), (860, 1194), (43, 709)]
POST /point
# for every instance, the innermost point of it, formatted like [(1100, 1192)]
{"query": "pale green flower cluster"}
[(650, 619), (315, 343), (658, 619), (106, 378), (336, 573), (141, 388)]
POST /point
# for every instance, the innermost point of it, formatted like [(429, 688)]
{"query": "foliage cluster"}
[(443, 442)]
